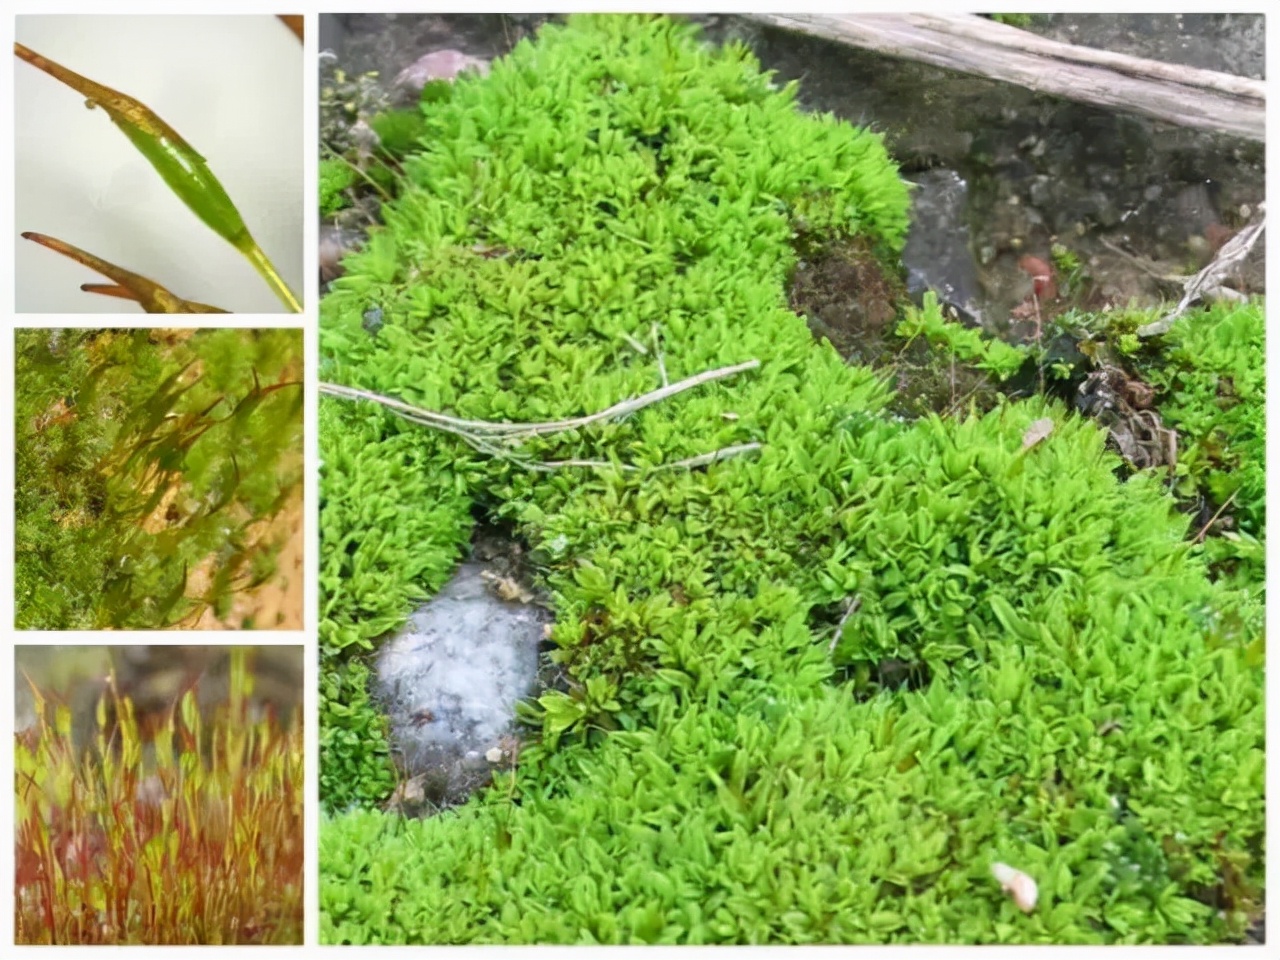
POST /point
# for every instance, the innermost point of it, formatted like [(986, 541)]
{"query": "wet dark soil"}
[(848, 298)]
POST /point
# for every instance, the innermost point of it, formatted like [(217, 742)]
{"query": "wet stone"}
[(437, 65), (938, 254), (450, 680)]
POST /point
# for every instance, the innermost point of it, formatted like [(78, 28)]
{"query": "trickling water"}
[(938, 254)]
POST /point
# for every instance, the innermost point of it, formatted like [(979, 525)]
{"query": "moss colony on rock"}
[(819, 689)]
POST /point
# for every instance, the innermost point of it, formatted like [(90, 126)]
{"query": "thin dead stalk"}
[(704, 459), (489, 437), (1214, 519), (851, 607), (521, 431)]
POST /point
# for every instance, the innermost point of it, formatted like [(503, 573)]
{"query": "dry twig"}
[(1208, 282), (851, 607), (522, 431), (488, 437), (1214, 519)]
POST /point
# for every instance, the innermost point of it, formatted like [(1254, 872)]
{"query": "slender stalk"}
[(268, 272), (128, 285), (521, 430)]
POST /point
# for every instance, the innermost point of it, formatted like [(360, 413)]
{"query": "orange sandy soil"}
[(274, 605)]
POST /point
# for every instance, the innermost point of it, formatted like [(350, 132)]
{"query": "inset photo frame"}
[(199, 190)]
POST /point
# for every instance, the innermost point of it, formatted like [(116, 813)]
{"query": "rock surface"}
[(938, 255)]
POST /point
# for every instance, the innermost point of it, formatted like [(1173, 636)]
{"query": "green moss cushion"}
[(818, 688)]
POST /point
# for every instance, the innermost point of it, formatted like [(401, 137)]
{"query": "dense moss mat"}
[(1213, 381), (142, 457), (1035, 666)]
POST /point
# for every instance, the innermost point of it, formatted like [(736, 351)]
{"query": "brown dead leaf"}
[(59, 413), (408, 793), (1037, 432)]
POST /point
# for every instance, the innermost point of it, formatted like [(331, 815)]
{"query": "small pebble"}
[(336, 243), (1018, 885), (438, 65)]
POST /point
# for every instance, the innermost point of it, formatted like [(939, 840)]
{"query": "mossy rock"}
[(818, 688)]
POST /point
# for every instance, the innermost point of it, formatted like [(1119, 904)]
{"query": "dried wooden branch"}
[(488, 437), (1185, 96), (1207, 284)]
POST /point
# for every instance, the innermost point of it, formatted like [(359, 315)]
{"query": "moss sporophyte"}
[(814, 693), (159, 478), (127, 285), (184, 830), (186, 173)]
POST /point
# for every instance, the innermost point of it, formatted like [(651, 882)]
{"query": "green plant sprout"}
[(187, 175), (1000, 359)]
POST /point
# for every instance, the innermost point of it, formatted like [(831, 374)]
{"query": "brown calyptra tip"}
[(293, 21)]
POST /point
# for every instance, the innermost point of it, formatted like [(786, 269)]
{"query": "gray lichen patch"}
[(450, 680)]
